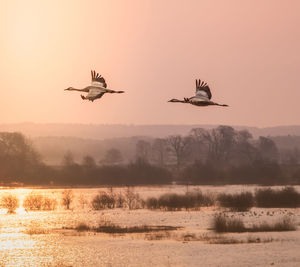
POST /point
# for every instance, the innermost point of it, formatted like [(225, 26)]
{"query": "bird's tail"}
[(223, 105), (120, 92), (83, 97)]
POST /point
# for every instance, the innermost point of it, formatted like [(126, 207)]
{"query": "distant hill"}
[(104, 131)]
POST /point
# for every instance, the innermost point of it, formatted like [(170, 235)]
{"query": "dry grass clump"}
[(230, 240), (106, 226), (173, 201), (35, 229), (225, 240), (117, 229), (237, 202), (284, 224), (207, 238), (9, 202), (39, 202), (158, 236), (222, 224), (286, 197), (252, 239)]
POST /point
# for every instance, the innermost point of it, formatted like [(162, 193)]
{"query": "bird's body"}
[(96, 90), (202, 97)]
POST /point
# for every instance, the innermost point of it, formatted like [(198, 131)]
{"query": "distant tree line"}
[(221, 155)]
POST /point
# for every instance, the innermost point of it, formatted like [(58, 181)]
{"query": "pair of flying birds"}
[(99, 87)]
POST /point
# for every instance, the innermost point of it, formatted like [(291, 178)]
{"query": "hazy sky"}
[(248, 52)]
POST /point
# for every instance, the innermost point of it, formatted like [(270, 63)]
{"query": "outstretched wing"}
[(202, 89), (97, 79)]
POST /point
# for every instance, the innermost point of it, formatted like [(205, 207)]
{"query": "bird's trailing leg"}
[(83, 97), (113, 91), (221, 105)]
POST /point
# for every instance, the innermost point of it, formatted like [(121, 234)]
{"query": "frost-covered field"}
[(37, 238)]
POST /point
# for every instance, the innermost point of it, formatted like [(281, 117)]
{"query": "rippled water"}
[(37, 238)]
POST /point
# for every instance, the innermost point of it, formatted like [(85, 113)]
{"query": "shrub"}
[(49, 203), (132, 199), (198, 199), (120, 200), (237, 202), (82, 227), (33, 202), (67, 198), (39, 202), (82, 201), (10, 202), (172, 201), (103, 201), (286, 197), (152, 203)]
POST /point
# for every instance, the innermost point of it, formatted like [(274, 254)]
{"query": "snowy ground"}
[(51, 245)]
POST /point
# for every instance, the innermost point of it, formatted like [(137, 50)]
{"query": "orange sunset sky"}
[(248, 52)]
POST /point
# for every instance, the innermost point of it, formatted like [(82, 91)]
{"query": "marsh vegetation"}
[(223, 224)]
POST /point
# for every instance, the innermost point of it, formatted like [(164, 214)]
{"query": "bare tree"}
[(268, 149), (179, 147), (89, 162), (159, 151), (17, 155), (290, 156), (143, 149), (112, 156), (201, 140), (68, 159), (244, 151)]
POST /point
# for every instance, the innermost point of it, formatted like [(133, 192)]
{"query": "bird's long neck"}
[(178, 101), (75, 89)]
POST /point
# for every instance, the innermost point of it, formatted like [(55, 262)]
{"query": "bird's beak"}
[(66, 89)]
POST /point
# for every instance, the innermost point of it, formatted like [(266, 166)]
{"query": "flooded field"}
[(48, 238)]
